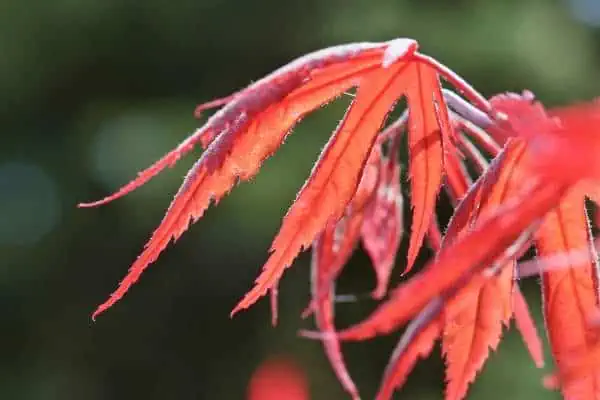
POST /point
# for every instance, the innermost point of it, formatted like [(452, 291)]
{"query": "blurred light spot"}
[(29, 205), (586, 11), (278, 379), (126, 144)]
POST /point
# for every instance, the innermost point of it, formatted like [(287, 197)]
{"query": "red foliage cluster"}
[(535, 169)]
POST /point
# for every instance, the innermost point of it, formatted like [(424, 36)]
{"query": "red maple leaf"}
[(533, 170)]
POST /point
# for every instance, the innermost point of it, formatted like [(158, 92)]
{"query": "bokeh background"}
[(91, 91)]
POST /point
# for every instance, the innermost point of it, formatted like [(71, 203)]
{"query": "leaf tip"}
[(97, 203), (103, 307), (397, 49)]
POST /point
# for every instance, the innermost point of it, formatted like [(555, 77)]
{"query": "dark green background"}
[(91, 91)]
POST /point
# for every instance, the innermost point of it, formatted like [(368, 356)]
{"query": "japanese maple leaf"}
[(544, 164), (329, 254), (473, 319), (254, 122), (571, 294)]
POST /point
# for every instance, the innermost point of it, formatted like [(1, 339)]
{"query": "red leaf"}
[(329, 254), (335, 244), (475, 315), (382, 227), (426, 128), (570, 294), (527, 328), (343, 235), (469, 207), (473, 326), (252, 127), (335, 177), (331, 250)]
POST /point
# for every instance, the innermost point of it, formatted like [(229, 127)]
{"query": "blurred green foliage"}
[(93, 90)]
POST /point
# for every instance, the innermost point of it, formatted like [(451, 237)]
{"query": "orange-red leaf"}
[(347, 230), (329, 254), (251, 128), (469, 207), (475, 315), (426, 126), (570, 294), (527, 328), (331, 250), (473, 326)]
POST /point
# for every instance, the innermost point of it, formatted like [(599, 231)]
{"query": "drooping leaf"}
[(254, 121), (527, 328), (416, 342), (425, 130), (473, 325), (383, 226), (570, 295), (246, 132), (329, 255), (331, 250), (467, 292), (474, 317), (347, 231), (331, 187), (469, 207)]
